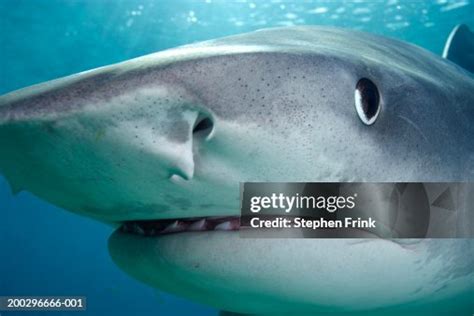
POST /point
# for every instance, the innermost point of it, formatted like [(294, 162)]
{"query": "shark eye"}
[(367, 101)]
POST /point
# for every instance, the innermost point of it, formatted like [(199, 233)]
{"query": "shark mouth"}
[(156, 228), (152, 228)]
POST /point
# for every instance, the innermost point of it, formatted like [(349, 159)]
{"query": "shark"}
[(157, 146)]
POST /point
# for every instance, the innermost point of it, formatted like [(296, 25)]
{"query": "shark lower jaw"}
[(152, 228), (266, 276)]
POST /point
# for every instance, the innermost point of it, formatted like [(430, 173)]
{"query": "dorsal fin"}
[(459, 47)]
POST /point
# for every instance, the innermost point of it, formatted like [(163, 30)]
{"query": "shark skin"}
[(172, 134)]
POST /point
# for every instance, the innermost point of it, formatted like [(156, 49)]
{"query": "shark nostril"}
[(203, 127)]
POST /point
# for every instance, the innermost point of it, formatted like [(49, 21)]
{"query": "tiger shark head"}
[(159, 144)]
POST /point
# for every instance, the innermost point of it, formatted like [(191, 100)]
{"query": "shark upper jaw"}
[(170, 226)]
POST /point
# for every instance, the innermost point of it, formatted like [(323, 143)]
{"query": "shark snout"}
[(107, 156)]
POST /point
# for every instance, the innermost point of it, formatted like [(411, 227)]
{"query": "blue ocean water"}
[(47, 251)]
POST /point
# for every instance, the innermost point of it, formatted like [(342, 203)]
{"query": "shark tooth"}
[(176, 226), (226, 226), (198, 226)]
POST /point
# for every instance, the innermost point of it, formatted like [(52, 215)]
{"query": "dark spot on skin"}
[(49, 128), (178, 131), (208, 205)]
